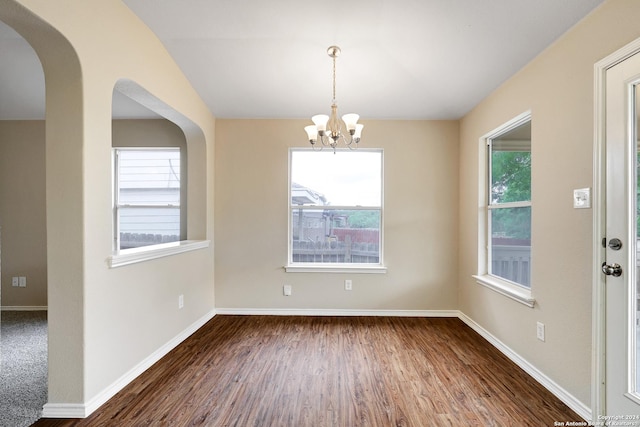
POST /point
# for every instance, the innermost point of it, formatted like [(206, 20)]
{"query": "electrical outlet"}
[(287, 290), (23, 281), (540, 331), (15, 282), (348, 285), (180, 301)]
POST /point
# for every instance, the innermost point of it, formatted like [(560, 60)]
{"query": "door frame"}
[(598, 349)]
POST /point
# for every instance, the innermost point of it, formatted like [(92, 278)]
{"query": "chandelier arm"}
[(353, 142)]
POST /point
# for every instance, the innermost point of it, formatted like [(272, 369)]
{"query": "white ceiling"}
[(409, 59)]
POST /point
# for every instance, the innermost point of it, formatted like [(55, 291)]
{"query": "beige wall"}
[(420, 219), (147, 133), (23, 234), (558, 88)]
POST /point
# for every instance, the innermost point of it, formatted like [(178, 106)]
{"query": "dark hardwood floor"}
[(331, 371)]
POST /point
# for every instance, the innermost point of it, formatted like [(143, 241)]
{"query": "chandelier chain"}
[(334, 80)]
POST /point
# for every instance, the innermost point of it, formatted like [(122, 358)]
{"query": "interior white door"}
[(622, 387)]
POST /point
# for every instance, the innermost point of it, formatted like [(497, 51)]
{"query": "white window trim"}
[(509, 205), (504, 287), (379, 268), (147, 253)]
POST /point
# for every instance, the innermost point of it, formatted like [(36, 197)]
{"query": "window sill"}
[(515, 292), (147, 253), (336, 268)]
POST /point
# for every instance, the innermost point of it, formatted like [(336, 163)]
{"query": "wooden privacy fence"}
[(512, 262), (332, 250), (136, 240)]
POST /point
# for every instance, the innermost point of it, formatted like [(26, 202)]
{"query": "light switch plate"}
[(582, 198)]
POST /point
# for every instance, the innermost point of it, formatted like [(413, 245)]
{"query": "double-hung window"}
[(506, 235), (335, 210), (147, 196)]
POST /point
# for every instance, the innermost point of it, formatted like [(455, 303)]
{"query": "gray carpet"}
[(23, 367)]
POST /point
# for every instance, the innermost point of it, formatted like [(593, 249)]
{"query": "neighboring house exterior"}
[(326, 234)]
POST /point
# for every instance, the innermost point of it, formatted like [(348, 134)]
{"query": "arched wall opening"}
[(196, 220)]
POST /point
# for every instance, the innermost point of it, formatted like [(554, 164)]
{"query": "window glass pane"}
[(149, 177), (343, 178), (148, 196), (335, 236), (511, 244), (148, 226), (510, 170)]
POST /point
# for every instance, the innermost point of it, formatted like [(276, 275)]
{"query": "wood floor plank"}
[(334, 372)]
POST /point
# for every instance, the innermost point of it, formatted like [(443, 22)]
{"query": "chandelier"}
[(328, 129)]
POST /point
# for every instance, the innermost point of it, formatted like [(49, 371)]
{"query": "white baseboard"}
[(23, 308), (73, 410), (331, 312), (567, 398), (64, 410)]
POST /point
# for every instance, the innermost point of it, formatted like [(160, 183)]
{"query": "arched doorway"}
[(23, 264), (63, 134)]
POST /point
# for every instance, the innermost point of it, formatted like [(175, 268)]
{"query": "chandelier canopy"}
[(328, 129)]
